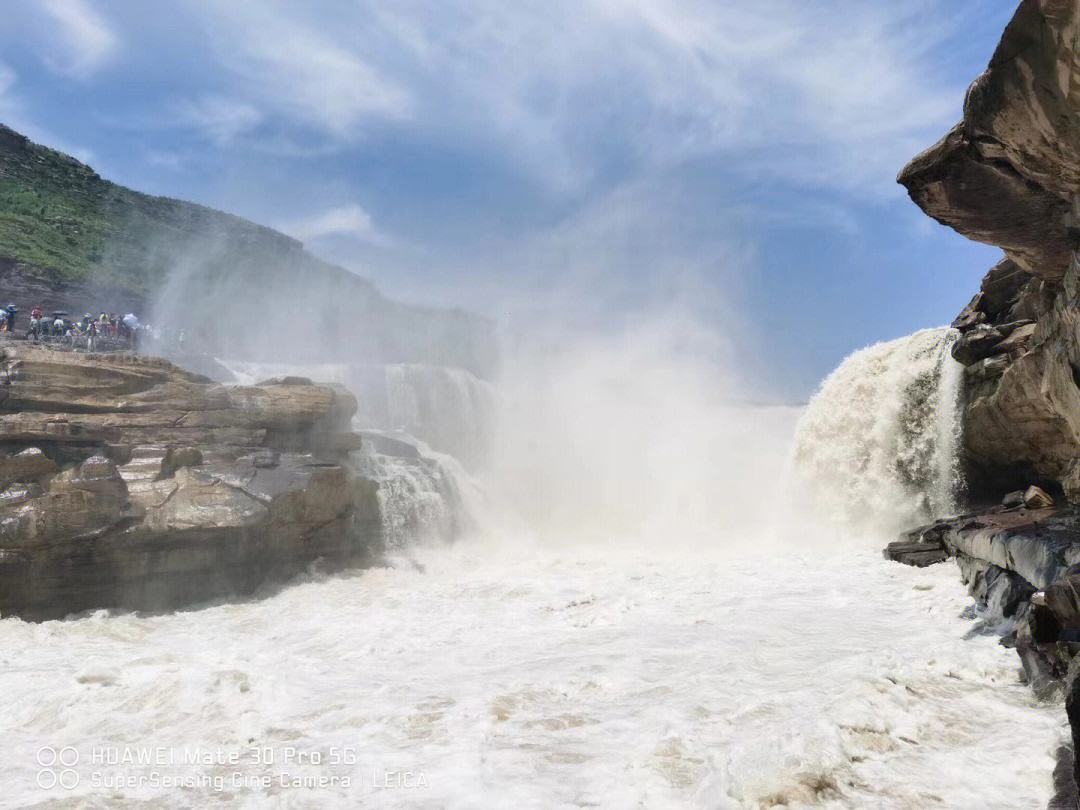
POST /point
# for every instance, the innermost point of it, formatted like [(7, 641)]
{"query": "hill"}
[(67, 223), (71, 239)]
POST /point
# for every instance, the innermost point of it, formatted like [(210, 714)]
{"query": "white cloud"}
[(349, 220), (87, 41), (572, 93), (312, 71), (218, 118), (824, 93)]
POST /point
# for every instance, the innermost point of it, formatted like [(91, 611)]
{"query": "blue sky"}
[(735, 159)]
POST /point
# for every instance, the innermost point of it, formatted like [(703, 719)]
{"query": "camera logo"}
[(57, 767)]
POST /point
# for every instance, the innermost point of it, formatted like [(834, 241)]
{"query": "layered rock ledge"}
[(1022, 568), (127, 482)]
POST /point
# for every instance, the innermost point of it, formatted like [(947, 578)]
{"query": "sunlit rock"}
[(135, 484)]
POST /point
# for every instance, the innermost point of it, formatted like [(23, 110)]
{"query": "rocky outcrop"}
[(1009, 175), (126, 482)]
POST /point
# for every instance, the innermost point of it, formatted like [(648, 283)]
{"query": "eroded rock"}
[(1009, 174), (142, 486), (1063, 599), (27, 466)]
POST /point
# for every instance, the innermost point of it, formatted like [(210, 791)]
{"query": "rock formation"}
[(126, 482), (1009, 175)]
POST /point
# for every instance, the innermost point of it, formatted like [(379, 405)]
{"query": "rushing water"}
[(736, 658), (533, 680), (450, 409), (877, 448), (425, 497)]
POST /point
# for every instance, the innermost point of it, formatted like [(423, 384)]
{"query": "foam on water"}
[(544, 680)]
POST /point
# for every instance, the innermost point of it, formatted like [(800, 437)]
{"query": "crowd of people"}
[(92, 332)]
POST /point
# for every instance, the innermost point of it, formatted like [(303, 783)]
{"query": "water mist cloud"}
[(636, 436)]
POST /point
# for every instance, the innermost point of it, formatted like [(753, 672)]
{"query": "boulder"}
[(176, 458), (977, 343), (1013, 499), (917, 554), (1070, 482), (20, 493), (29, 465), (1001, 593), (1063, 599), (199, 501), (81, 501), (1036, 643), (1037, 498)]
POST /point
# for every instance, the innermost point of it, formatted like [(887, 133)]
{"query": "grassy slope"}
[(68, 224)]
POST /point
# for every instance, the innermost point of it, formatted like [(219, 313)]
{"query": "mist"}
[(640, 435), (609, 393)]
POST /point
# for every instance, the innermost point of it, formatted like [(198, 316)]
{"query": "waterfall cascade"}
[(877, 447), (448, 408), (426, 497), (419, 424)]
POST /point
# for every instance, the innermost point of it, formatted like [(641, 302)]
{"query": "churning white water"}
[(731, 660), (536, 680), (425, 497), (877, 447)]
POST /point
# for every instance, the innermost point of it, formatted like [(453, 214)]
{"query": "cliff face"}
[(1009, 175), (127, 482), (71, 240)]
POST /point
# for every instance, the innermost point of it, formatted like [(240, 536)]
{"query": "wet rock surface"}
[(126, 482), (1022, 567)]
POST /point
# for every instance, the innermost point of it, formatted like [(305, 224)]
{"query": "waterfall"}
[(449, 409), (877, 447), (420, 494), (417, 423)]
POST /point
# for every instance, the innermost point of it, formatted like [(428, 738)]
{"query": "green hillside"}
[(60, 218), (72, 240)]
